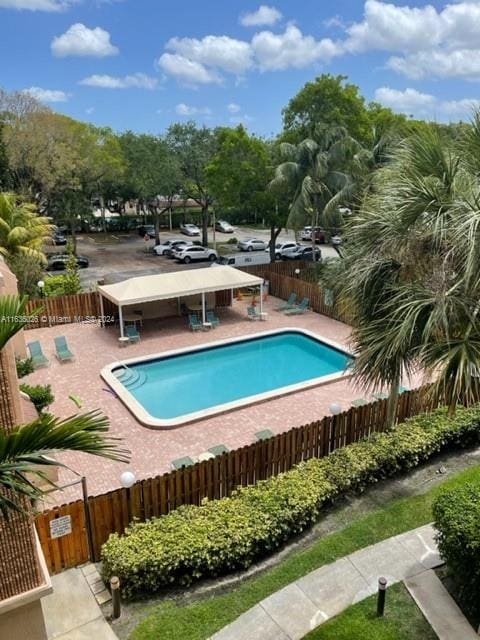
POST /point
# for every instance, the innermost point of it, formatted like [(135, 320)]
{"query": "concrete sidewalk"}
[(289, 614), (71, 611)]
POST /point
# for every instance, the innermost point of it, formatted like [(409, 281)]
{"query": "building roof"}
[(177, 284)]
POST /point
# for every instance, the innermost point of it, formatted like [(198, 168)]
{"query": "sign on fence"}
[(60, 527)]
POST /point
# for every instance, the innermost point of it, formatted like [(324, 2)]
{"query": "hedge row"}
[(457, 519), (223, 535)]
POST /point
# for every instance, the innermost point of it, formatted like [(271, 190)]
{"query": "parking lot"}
[(116, 257)]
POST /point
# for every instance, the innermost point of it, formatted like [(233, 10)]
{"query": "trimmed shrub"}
[(24, 367), (40, 394), (457, 520), (232, 240), (228, 534)]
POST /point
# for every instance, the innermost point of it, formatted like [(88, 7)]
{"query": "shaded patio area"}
[(154, 450)]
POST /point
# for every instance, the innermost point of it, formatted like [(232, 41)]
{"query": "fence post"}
[(88, 521)]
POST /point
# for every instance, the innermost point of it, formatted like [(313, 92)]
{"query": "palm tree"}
[(22, 230)]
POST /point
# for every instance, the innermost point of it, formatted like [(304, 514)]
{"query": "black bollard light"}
[(115, 589), (382, 592)]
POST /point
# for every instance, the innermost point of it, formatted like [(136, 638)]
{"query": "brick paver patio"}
[(153, 450)]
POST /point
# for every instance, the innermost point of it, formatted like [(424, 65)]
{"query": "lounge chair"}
[(132, 333), (289, 304), (212, 319), (179, 463), (193, 322), (218, 449), (381, 395), (359, 402), (266, 434), (62, 351), (299, 308), (36, 354), (253, 313)]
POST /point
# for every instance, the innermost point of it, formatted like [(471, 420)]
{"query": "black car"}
[(302, 253), (59, 239), (59, 261), (147, 230)]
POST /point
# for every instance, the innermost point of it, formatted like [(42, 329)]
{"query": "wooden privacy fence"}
[(212, 479), (80, 307)]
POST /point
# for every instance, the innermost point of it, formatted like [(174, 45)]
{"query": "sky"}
[(143, 64)]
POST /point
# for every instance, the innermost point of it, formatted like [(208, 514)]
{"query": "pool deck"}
[(153, 450)]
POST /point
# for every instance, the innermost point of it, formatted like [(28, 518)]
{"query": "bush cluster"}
[(40, 394), (228, 534), (24, 367), (457, 520)]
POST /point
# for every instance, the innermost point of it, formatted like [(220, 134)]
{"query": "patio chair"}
[(179, 463), (253, 313), (266, 434), (359, 402), (132, 333), (62, 351), (289, 304), (299, 308), (36, 354), (219, 449), (193, 322), (381, 395), (212, 319)]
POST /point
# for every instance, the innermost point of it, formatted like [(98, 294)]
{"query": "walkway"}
[(71, 611), (289, 614)]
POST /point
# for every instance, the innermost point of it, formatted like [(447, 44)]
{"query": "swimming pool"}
[(168, 389)]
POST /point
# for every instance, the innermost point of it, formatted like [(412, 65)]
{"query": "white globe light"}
[(127, 479), (335, 408), (40, 284), (297, 271)]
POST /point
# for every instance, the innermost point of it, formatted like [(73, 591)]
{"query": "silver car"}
[(189, 229), (189, 254), (252, 244)]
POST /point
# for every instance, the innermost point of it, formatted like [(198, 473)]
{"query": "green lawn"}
[(402, 620), (172, 620)]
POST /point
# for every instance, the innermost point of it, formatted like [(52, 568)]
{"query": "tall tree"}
[(194, 147), (22, 230)]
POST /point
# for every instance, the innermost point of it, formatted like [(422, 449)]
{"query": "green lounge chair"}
[(266, 434), (212, 319), (253, 313), (179, 463), (299, 309), (132, 333), (62, 351), (194, 323), (36, 354), (359, 402), (289, 304), (381, 395), (218, 449)]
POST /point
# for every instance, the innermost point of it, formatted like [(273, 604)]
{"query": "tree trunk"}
[(102, 211), (205, 220), (156, 219), (274, 233), (393, 402), (74, 235)]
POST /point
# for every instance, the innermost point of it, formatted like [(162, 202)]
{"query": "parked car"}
[(59, 239), (194, 252), (252, 244), (147, 230), (320, 235), (223, 226), (59, 261), (164, 247), (242, 259), (177, 246), (302, 253), (189, 229), (281, 248), (336, 240), (306, 233)]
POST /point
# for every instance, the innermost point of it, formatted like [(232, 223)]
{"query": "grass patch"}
[(403, 620), (172, 620)]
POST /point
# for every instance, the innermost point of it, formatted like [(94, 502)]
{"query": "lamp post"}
[(41, 287), (297, 272), (335, 410), (127, 480)]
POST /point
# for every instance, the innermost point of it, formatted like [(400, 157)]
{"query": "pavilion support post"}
[(102, 313), (204, 318), (120, 319), (261, 298)]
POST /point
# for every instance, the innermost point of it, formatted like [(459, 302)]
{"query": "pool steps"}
[(130, 379)]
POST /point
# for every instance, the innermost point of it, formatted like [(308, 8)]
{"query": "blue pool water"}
[(173, 386)]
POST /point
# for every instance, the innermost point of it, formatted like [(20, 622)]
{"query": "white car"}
[(223, 226), (252, 244), (189, 229), (282, 247), (336, 240), (168, 245), (306, 233), (189, 254)]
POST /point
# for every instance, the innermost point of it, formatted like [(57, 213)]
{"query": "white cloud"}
[(263, 16), (47, 95), (136, 80), (183, 109), (291, 49), (413, 102), (233, 107), (36, 5), (463, 63), (79, 40), (242, 119), (89, 110), (188, 72), (220, 52)]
